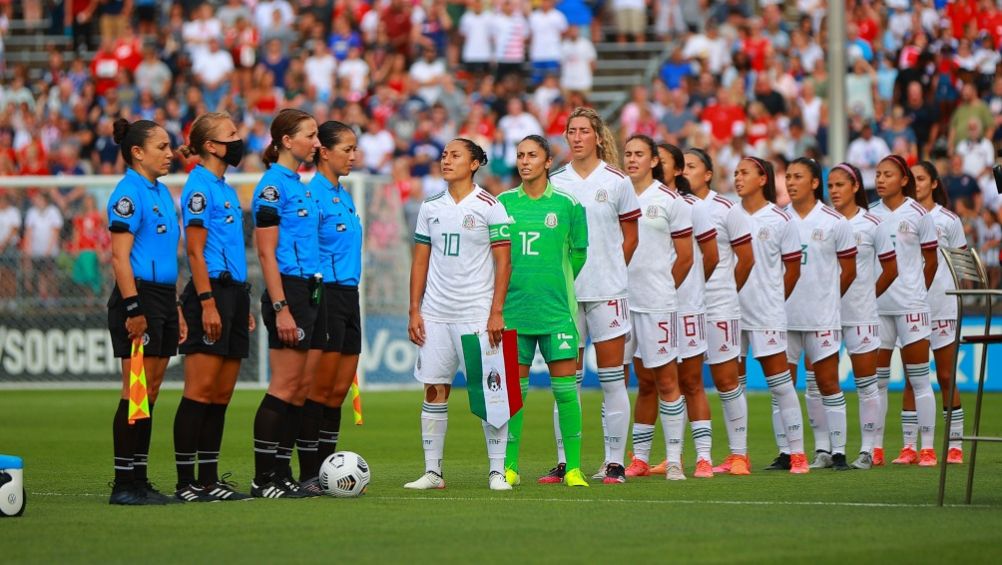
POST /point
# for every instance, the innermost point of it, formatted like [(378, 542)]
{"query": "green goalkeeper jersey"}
[(544, 233)]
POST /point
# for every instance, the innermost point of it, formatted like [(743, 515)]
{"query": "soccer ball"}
[(344, 475)]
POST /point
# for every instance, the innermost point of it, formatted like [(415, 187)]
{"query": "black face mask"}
[(234, 151)]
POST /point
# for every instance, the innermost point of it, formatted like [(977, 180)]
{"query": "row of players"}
[(661, 272)]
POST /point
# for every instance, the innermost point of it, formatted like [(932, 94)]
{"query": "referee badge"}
[(601, 195), (300, 334), (818, 235), (270, 194), (207, 341), (196, 204), (551, 220), (146, 339), (124, 207), (469, 222)]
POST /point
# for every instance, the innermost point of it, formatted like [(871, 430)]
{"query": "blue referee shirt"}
[(146, 210), (340, 233), (208, 202), (280, 199)]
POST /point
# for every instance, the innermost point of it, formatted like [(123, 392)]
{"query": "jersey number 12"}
[(527, 238)]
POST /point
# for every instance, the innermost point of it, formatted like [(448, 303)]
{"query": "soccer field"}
[(863, 516)]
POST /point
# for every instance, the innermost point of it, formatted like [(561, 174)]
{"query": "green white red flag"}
[(492, 377)]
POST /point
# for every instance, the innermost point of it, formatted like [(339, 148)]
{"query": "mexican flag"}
[(492, 377)]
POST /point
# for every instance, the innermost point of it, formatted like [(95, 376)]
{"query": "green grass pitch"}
[(65, 439)]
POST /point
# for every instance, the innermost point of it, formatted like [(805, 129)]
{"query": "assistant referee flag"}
[(492, 377)]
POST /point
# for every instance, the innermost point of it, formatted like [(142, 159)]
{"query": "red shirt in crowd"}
[(961, 13), (991, 21), (722, 119), (89, 232), (756, 48), (104, 68), (129, 53)]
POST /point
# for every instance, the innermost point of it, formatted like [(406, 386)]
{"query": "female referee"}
[(286, 221), (603, 313), (216, 307), (459, 280), (763, 314), (337, 339), (143, 305), (904, 312), (860, 321), (551, 235)]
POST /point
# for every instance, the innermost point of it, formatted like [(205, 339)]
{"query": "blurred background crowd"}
[(738, 77)]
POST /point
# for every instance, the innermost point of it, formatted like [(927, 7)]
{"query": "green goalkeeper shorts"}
[(554, 347)]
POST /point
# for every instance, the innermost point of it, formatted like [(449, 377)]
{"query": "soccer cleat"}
[(878, 457), (574, 478), (600, 474), (129, 494), (296, 490), (150, 492), (496, 481), (512, 477), (276, 487), (955, 456), (822, 460), (312, 487), (429, 480), (674, 472), (798, 464), (555, 475), (863, 462), (223, 490), (614, 474), (725, 467), (193, 493), (740, 465), (906, 457), (927, 458), (838, 462), (780, 463), (638, 468), (660, 468), (704, 469)]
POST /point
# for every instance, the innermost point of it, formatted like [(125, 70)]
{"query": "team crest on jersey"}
[(494, 380), (601, 195), (551, 220), (818, 235), (270, 194), (763, 234), (859, 239), (124, 207), (903, 227), (652, 212), (196, 204), (469, 222)]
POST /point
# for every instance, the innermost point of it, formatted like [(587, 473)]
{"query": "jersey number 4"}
[(528, 237)]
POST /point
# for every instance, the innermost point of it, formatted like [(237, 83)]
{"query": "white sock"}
[(497, 443), (643, 437), (702, 437), (883, 381), (735, 405), (673, 423), (605, 436), (925, 402), (778, 429), (956, 428), (869, 410), (781, 387), (743, 381), (816, 414), (561, 458), (434, 421), (909, 428), (617, 411), (834, 405)]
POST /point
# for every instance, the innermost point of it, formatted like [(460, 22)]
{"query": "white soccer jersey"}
[(774, 240), (608, 198), (665, 216), (460, 284), (873, 245), (692, 293), (825, 237), (732, 230), (949, 233), (912, 229)]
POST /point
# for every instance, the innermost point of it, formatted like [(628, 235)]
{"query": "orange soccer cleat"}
[(798, 464), (955, 456), (878, 456), (638, 468), (907, 457), (659, 469), (704, 469), (927, 458), (740, 465)]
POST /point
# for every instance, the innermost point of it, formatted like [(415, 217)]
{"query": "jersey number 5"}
[(527, 238)]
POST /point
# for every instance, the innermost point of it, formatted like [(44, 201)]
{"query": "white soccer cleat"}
[(822, 460), (497, 481), (429, 480), (600, 474), (674, 472)]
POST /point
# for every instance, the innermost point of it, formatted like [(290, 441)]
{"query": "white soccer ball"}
[(344, 475)]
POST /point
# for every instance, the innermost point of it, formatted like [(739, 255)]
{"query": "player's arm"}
[(194, 237), (791, 255), (745, 261), (846, 253), (502, 276), (419, 278), (711, 256), (631, 238), (930, 248), (791, 275), (683, 258), (889, 272), (578, 239), (848, 275), (121, 248), (578, 257), (930, 255)]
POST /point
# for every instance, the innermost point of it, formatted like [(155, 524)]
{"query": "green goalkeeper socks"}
[(565, 391), (515, 430)]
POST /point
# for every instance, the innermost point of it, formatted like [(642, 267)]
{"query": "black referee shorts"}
[(339, 327), (233, 304), (304, 312), (160, 308)]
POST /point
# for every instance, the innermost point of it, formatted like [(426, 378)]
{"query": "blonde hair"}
[(607, 149), (201, 131)]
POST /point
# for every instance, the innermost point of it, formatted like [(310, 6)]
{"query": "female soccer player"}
[(286, 221), (661, 263), (860, 321), (337, 339), (943, 308), (603, 314), (551, 242), (723, 311), (459, 280), (827, 269), (904, 312), (776, 244), (143, 305), (216, 308)]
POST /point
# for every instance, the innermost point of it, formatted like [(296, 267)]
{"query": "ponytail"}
[(287, 122), (678, 159), (939, 195)]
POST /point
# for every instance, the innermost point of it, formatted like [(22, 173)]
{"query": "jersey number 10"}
[(451, 246)]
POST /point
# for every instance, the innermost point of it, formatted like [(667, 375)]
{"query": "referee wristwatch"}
[(279, 305)]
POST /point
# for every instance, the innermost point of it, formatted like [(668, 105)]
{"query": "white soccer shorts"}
[(653, 339), (441, 356), (861, 339), (762, 343), (691, 335), (903, 329), (944, 333), (816, 345), (603, 320), (723, 340)]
